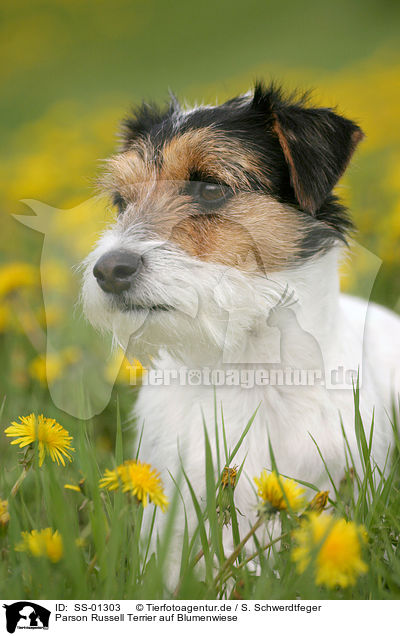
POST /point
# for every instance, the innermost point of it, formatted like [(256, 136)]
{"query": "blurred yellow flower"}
[(15, 275), (49, 367), (46, 368), (277, 492), (76, 487), (140, 480), (332, 546), (42, 543), (4, 514), (54, 275), (71, 355), (72, 487), (52, 438), (119, 369)]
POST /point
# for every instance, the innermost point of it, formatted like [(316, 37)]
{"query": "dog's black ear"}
[(316, 142), (144, 118)]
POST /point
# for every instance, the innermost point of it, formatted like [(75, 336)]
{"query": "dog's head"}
[(212, 201)]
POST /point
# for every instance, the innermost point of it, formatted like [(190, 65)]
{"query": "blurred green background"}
[(70, 71)]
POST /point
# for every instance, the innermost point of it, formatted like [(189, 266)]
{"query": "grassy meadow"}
[(67, 532), (71, 72)]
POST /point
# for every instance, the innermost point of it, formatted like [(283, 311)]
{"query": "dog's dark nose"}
[(115, 270)]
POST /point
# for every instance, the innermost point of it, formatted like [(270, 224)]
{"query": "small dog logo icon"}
[(26, 615)]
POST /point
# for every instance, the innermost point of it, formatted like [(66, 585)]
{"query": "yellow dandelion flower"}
[(4, 514), (277, 492), (333, 546), (52, 438), (140, 480), (42, 543), (16, 275)]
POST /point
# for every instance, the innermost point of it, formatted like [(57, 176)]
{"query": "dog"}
[(223, 260)]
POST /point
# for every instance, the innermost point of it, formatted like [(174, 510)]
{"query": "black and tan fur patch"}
[(277, 159)]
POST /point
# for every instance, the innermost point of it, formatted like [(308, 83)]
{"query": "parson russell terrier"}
[(223, 260)]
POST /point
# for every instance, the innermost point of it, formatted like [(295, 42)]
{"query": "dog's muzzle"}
[(116, 270)]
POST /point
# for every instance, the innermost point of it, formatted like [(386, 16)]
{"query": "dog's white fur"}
[(221, 314)]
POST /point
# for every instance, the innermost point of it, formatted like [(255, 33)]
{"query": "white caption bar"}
[(150, 617)]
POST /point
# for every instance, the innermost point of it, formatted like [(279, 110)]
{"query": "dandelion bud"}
[(224, 497), (4, 514), (318, 503)]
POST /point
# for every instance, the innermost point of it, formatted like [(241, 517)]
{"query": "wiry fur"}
[(217, 275)]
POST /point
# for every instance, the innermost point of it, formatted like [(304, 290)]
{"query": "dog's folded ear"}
[(317, 143)]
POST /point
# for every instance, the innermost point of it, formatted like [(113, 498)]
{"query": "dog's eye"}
[(210, 196), (212, 192)]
